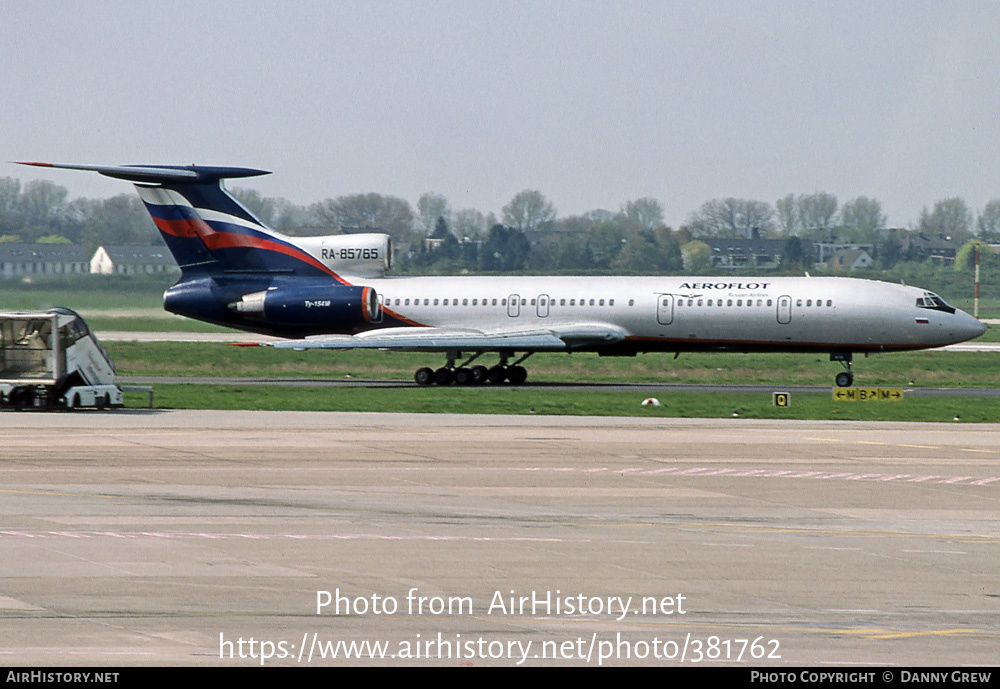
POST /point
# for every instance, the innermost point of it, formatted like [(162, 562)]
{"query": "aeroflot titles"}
[(724, 285)]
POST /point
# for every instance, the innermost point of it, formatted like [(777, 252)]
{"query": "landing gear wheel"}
[(517, 375), (845, 379), (479, 375), (444, 376), (424, 376), (497, 375), (463, 376)]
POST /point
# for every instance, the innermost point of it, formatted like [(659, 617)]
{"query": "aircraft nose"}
[(968, 327)]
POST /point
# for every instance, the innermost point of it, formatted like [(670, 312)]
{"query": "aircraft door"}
[(784, 310), (543, 306), (514, 305), (377, 316), (665, 309)]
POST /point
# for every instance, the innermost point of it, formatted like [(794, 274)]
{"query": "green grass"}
[(86, 293), (929, 369), (558, 402), (992, 334), (166, 322), (939, 369)]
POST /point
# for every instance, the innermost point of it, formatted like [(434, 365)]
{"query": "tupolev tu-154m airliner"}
[(331, 293)]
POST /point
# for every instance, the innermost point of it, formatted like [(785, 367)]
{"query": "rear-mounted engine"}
[(337, 307)]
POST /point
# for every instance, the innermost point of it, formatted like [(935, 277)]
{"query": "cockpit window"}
[(934, 302)]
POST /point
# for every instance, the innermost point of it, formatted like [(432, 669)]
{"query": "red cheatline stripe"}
[(196, 227), (399, 317)]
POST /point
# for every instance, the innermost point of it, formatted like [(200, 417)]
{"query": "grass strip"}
[(559, 403)]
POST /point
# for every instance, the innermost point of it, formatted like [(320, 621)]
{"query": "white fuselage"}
[(685, 313)]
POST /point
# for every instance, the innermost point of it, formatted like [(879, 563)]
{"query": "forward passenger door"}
[(665, 309)]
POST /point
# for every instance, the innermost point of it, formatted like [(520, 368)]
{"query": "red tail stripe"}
[(197, 228)]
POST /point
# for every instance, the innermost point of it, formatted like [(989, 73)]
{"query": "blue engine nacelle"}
[(326, 308)]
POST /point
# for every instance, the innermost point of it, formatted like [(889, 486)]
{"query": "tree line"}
[(528, 235)]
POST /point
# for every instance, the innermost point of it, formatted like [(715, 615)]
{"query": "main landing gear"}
[(846, 378), (463, 374)]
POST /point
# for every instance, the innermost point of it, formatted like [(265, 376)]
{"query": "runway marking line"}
[(53, 492), (909, 635), (180, 536), (699, 472), (909, 445)]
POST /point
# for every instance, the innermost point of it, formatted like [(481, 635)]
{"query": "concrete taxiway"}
[(153, 538)]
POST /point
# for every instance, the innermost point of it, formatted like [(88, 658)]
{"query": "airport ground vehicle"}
[(51, 359)]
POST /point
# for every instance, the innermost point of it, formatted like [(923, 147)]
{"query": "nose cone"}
[(966, 327)]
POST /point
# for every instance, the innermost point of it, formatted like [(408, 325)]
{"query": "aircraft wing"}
[(555, 339)]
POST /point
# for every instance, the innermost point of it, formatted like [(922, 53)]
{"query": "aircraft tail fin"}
[(207, 230)]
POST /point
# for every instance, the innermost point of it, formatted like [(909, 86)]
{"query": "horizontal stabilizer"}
[(160, 174)]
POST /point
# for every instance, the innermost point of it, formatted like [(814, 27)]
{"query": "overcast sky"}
[(592, 103)]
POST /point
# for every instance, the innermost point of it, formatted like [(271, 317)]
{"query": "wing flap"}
[(448, 339)]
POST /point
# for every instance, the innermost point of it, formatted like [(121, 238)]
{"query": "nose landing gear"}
[(846, 378)]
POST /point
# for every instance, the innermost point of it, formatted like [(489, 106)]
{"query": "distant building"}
[(735, 253), (825, 251), (132, 260), (29, 260), (921, 246), (850, 259), (360, 229)]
